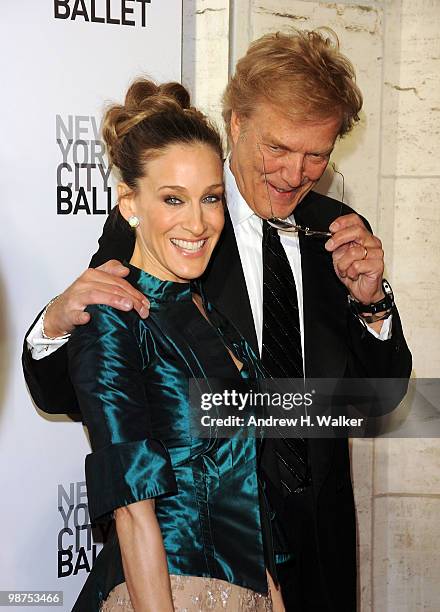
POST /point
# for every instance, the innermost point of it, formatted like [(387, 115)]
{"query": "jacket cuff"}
[(127, 472)]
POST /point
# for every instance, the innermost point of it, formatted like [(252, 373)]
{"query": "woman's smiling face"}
[(179, 203)]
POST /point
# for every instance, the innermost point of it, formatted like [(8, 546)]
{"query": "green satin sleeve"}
[(106, 365)]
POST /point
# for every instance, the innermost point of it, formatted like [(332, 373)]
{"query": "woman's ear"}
[(126, 201)]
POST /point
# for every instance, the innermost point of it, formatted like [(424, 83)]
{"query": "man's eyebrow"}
[(324, 153), (273, 141)]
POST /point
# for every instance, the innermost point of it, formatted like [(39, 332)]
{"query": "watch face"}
[(386, 287), (384, 304)]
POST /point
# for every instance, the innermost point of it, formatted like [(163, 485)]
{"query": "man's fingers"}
[(341, 252), (110, 295), (101, 293), (355, 233), (79, 317), (354, 268), (350, 228), (350, 261), (347, 254), (358, 258), (105, 285), (114, 267), (364, 267), (92, 276), (128, 299), (345, 221), (351, 238)]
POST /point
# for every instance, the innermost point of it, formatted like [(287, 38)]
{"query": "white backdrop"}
[(61, 60)]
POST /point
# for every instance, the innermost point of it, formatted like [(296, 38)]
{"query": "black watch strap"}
[(385, 304)]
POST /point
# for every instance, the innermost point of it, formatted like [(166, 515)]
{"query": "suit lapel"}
[(225, 285), (325, 315), (324, 299)]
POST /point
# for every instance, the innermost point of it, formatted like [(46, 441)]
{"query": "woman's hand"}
[(144, 558)]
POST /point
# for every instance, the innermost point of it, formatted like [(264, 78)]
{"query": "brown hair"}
[(152, 118), (302, 73)]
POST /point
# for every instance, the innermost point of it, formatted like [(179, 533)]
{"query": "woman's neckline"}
[(158, 290)]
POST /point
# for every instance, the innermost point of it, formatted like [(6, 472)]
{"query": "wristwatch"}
[(383, 305)]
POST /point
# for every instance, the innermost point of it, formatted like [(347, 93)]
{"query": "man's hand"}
[(103, 285), (357, 258)]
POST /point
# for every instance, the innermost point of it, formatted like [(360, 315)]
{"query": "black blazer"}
[(336, 346)]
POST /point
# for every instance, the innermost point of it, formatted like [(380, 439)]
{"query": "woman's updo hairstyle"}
[(152, 118)]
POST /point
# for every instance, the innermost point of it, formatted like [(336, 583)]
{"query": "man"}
[(292, 96)]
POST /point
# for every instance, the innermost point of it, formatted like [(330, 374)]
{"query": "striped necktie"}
[(283, 461)]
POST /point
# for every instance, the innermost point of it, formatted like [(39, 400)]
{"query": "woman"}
[(187, 519)]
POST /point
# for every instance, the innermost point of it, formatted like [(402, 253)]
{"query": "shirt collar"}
[(239, 210)]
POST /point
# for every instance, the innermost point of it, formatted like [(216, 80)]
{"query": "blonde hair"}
[(152, 118), (302, 73)]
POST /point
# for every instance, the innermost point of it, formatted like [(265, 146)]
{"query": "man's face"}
[(292, 154)]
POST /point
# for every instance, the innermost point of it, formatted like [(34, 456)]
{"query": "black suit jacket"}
[(336, 346)]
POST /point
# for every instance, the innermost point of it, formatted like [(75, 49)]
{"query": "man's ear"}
[(235, 127), (126, 201)]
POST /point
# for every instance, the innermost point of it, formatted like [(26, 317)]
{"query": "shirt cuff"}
[(41, 347), (385, 332)]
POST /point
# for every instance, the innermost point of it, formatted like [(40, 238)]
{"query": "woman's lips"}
[(190, 248)]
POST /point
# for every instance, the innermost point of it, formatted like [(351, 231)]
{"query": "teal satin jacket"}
[(131, 379)]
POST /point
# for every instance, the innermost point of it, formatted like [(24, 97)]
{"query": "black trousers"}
[(300, 578)]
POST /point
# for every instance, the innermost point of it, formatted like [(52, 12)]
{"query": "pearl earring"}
[(133, 221)]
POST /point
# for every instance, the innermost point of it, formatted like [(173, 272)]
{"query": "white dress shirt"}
[(248, 229)]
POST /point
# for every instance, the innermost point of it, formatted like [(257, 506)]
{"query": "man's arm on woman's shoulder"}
[(45, 364)]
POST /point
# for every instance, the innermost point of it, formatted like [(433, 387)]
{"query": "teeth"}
[(188, 246)]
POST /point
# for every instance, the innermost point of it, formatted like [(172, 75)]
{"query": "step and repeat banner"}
[(61, 62)]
